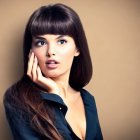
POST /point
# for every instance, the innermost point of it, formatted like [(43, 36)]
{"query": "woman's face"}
[(55, 54)]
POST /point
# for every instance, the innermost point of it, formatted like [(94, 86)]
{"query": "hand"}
[(34, 72)]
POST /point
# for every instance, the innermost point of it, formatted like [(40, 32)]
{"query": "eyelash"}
[(62, 40), (43, 43), (39, 43)]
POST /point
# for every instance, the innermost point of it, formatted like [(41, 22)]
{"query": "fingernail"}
[(35, 58), (30, 53)]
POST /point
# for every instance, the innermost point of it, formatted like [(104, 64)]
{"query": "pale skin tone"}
[(49, 65)]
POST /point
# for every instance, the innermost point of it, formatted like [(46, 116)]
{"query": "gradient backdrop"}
[(113, 32)]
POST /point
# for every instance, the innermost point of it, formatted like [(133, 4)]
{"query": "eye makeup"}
[(39, 41)]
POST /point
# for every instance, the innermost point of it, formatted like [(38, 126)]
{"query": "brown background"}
[(113, 32)]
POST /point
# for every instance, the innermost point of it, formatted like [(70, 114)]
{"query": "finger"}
[(34, 69), (41, 79), (30, 53), (39, 73), (30, 64)]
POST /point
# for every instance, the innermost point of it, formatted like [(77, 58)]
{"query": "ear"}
[(77, 53)]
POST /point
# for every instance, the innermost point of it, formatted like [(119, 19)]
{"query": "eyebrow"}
[(60, 36), (40, 37)]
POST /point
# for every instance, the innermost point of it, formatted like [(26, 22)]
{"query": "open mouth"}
[(52, 64)]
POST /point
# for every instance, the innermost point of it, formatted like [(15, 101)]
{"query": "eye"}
[(62, 41), (40, 43)]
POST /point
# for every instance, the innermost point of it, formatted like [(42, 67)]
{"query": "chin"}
[(56, 73), (51, 75)]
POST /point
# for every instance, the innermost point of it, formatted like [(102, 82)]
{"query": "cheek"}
[(39, 53), (68, 50), (67, 56)]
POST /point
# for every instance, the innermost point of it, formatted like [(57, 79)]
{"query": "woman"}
[(49, 101)]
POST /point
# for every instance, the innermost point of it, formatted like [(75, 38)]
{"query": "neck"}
[(65, 88)]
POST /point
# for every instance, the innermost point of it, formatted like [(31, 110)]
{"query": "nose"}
[(50, 50)]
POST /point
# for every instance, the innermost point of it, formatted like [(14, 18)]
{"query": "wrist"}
[(55, 91)]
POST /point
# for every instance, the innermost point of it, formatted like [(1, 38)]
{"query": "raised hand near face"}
[(35, 74)]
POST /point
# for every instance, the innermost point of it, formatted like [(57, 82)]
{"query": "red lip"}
[(52, 64)]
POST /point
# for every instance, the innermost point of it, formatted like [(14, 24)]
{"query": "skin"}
[(55, 77)]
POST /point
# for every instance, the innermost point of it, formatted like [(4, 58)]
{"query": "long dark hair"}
[(52, 19)]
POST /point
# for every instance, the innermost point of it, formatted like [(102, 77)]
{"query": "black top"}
[(22, 130)]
